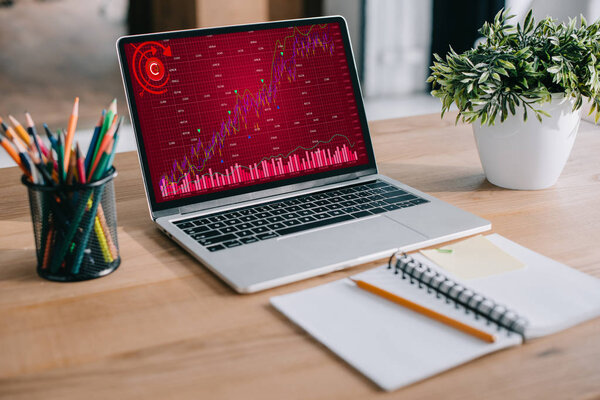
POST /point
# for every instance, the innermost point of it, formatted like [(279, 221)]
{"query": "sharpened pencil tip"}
[(29, 120)]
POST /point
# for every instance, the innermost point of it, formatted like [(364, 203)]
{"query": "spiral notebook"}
[(394, 346)]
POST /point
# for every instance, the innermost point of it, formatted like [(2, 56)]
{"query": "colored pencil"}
[(39, 144), (80, 166), (13, 153), (20, 130), (102, 148), (92, 146), (71, 132)]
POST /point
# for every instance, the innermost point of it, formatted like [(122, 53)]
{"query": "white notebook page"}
[(550, 295), (391, 345)]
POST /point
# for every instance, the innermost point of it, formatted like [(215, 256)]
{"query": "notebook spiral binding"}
[(471, 301)]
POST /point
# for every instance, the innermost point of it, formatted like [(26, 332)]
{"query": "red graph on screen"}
[(250, 107)]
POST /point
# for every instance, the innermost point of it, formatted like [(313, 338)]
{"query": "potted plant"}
[(543, 70)]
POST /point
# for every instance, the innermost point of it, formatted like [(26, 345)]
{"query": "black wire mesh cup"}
[(75, 228)]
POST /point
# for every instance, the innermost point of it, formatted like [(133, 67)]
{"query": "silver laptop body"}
[(325, 245)]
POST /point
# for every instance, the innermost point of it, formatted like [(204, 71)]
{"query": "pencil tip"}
[(29, 120)]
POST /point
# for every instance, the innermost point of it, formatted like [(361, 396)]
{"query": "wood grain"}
[(164, 327)]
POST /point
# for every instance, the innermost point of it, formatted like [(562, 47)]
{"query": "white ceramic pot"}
[(528, 155)]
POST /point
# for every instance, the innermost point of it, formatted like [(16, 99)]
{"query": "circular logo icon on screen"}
[(149, 69)]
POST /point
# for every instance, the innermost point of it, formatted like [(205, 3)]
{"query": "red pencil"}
[(80, 166)]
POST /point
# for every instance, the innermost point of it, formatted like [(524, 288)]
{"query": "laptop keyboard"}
[(264, 221)]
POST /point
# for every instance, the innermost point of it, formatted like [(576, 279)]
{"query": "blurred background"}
[(54, 50)]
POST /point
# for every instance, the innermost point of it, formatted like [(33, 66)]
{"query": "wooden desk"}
[(164, 327)]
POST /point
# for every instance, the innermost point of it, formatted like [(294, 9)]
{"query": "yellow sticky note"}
[(473, 258)]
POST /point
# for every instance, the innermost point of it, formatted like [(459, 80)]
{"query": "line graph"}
[(302, 44), (245, 108)]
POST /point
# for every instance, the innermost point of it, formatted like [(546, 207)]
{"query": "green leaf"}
[(506, 64)]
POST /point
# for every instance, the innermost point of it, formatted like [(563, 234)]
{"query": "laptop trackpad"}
[(351, 240)]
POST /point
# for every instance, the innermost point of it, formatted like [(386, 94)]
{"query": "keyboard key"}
[(277, 206), (246, 211), (204, 235), (216, 239), (216, 225), (265, 236), (247, 218), (216, 247), (184, 225), (290, 215), (419, 201), (233, 221), (320, 209), (361, 214), (244, 226), (234, 214), (275, 219), (244, 233), (391, 207), (201, 221), (232, 243), (260, 222), (228, 229), (399, 199), (278, 225), (322, 202), (348, 203), (197, 229), (350, 210), (364, 206), (278, 211), (248, 240), (316, 224), (321, 216), (395, 193), (262, 215), (334, 206), (260, 229), (217, 218), (291, 202), (377, 210), (293, 209), (305, 213), (292, 222), (335, 213), (262, 209), (307, 219)]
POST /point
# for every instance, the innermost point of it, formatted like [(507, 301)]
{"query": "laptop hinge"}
[(165, 213)]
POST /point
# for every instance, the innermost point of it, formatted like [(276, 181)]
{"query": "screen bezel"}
[(293, 183)]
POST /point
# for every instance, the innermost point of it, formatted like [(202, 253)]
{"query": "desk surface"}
[(162, 326)]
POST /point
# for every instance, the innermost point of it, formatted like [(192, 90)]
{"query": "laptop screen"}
[(233, 110)]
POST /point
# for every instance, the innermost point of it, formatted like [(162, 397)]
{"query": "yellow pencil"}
[(479, 334), (20, 130)]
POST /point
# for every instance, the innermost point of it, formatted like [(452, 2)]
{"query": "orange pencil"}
[(479, 334), (12, 136), (13, 154), (71, 132), (20, 130)]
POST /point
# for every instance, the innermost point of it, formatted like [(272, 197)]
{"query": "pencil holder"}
[(75, 228)]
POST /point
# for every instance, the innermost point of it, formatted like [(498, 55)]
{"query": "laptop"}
[(256, 155)]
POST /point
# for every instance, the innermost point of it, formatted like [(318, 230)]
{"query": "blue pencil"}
[(92, 146)]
